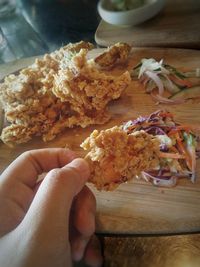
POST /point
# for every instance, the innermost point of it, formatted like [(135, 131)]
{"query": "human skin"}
[(50, 223)]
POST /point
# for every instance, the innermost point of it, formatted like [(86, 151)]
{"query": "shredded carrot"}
[(182, 82), (174, 149), (183, 150), (186, 128), (166, 114), (143, 124), (172, 132), (171, 155), (180, 144)]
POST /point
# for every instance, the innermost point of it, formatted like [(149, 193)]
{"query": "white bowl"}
[(131, 17)]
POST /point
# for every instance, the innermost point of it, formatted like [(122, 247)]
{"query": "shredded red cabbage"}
[(162, 125)]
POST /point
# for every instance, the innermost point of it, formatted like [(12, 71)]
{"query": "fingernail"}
[(78, 249)]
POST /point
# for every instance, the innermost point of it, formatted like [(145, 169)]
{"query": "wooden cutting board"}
[(177, 25), (136, 207)]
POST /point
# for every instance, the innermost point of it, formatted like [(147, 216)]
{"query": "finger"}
[(93, 254), (48, 216), (30, 164), (58, 189), (84, 222), (84, 212)]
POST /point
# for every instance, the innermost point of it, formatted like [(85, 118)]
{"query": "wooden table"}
[(146, 250)]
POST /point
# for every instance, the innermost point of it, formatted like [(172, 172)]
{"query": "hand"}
[(47, 224)]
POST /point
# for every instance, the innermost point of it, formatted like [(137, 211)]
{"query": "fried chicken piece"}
[(70, 121), (17, 133), (87, 89), (37, 79), (115, 54), (61, 90), (115, 156), (28, 100)]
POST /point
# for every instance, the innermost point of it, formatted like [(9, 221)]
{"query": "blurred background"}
[(35, 27)]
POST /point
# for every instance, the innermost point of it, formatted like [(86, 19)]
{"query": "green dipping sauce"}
[(123, 5)]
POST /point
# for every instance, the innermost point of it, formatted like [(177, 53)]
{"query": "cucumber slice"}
[(193, 92)]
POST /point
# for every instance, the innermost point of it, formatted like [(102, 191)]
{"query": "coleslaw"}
[(178, 147), (155, 74)]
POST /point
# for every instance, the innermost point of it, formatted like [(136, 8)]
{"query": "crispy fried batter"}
[(115, 54), (60, 90), (115, 156), (89, 90)]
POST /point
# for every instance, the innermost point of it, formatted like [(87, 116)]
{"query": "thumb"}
[(52, 202)]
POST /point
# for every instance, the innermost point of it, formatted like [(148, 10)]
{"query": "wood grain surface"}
[(162, 251), (177, 25), (137, 207)]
